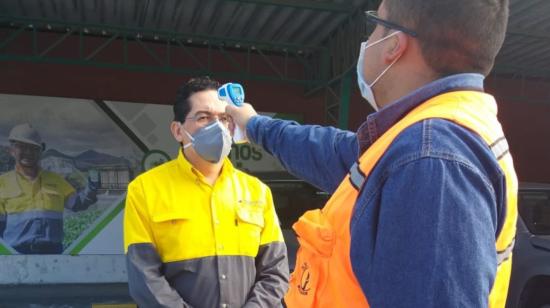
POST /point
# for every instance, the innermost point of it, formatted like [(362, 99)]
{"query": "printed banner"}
[(65, 165)]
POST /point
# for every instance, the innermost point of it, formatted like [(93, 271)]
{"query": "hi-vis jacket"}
[(323, 263), (190, 244), (34, 211)]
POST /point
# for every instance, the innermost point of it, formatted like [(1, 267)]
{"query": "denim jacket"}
[(424, 226)]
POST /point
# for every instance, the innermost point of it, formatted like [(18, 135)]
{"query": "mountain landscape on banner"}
[(85, 160)]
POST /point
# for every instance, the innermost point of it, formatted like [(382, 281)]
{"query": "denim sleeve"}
[(321, 156), (433, 237)]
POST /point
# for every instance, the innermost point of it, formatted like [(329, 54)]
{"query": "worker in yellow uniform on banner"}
[(33, 200), (197, 231), (423, 208)]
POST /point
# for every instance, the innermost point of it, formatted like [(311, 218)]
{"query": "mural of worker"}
[(32, 200)]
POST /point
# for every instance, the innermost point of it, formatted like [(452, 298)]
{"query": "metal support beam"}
[(55, 44), (152, 53), (327, 6), (158, 69), (231, 60), (120, 43), (100, 48), (15, 34), (270, 63), (345, 98), (44, 25)]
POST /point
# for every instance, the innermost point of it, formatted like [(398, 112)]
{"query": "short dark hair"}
[(182, 106), (454, 36)]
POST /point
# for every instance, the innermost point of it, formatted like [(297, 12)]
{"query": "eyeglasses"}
[(203, 118), (372, 16)]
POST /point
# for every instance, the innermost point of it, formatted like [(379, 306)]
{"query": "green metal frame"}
[(325, 67), (303, 4), (337, 100), (345, 98), (145, 39)]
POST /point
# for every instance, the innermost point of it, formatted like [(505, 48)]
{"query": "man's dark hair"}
[(454, 36), (182, 106)]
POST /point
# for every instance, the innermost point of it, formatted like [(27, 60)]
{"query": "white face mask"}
[(364, 87)]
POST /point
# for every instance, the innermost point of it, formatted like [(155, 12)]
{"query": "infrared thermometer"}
[(233, 93)]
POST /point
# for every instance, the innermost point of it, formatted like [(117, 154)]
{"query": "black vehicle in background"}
[(292, 197), (530, 281)]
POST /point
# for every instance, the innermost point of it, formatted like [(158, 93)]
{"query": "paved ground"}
[(63, 296)]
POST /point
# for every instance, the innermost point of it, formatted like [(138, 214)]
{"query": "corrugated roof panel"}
[(527, 45)]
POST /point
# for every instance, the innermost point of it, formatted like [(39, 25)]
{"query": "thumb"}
[(230, 109)]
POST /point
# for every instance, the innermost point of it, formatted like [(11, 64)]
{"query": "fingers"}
[(240, 115)]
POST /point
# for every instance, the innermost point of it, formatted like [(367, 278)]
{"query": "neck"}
[(407, 75), (211, 171), (30, 173)]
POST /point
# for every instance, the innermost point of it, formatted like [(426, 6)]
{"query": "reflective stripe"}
[(506, 253), (356, 176), (34, 227), (500, 148), (198, 282), (35, 215)]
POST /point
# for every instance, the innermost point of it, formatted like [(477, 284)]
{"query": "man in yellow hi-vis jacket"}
[(197, 232), (32, 200)]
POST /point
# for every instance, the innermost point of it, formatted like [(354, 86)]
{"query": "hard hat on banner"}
[(25, 133)]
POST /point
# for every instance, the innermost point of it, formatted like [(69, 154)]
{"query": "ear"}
[(396, 48), (175, 128)]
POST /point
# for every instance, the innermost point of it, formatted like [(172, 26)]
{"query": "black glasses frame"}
[(372, 16)]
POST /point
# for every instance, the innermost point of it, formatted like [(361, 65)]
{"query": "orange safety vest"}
[(324, 277)]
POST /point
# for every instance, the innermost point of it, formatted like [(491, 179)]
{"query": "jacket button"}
[(223, 276), (224, 305)]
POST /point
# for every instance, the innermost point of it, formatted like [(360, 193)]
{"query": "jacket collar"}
[(379, 122), (189, 170)]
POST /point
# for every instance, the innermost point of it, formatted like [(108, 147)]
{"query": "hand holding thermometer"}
[(233, 93)]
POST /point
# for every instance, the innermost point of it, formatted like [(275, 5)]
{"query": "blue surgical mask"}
[(364, 87), (212, 142)]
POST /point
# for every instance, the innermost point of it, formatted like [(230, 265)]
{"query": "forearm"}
[(319, 155), (81, 200)]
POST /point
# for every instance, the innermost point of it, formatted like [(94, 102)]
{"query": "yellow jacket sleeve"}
[(137, 228)]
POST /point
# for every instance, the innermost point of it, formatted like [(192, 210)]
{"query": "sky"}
[(69, 125)]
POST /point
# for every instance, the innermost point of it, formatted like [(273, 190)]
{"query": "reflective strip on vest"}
[(356, 176), (506, 253), (500, 148)]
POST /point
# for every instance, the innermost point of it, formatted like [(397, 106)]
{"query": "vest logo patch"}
[(304, 287)]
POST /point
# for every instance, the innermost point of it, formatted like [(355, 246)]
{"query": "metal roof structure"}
[(303, 23), (321, 36), (526, 50)]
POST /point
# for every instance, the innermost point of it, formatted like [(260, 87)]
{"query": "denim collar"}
[(379, 122)]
